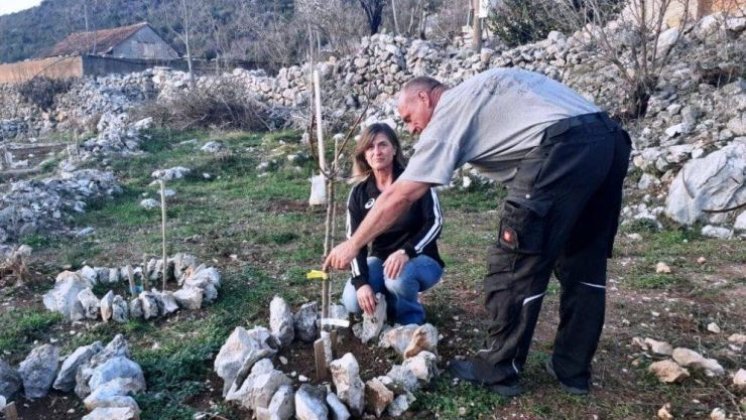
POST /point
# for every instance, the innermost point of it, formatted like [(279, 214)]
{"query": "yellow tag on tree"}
[(317, 275)]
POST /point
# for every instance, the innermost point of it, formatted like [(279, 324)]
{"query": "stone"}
[(135, 307), (259, 388), (150, 204), (713, 182), (149, 303), (10, 380), (713, 328), (717, 414), (398, 337), (403, 378), (63, 298), (114, 393), (212, 147), (399, 406), (690, 358), (116, 413), (38, 370), (350, 388), (377, 397), (716, 232), (662, 268), (305, 322), (659, 347), (740, 224), (372, 323), (423, 366), (106, 306), (189, 297), (739, 379), (668, 371), (310, 403), (119, 310), (168, 302), (737, 125), (282, 405), (90, 303), (425, 338), (118, 367), (240, 346), (65, 380), (338, 409), (281, 321), (664, 413)]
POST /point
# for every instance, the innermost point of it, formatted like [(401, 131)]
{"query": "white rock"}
[(662, 268), (281, 321), (377, 397), (305, 322), (713, 328), (373, 323), (189, 297), (717, 414), (240, 346), (739, 379), (338, 410), (668, 371), (90, 303), (310, 403), (690, 358), (117, 413), (65, 380), (150, 204), (38, 370), (659, 347), (350, 388), (717, 232), (664, 413), (106, 306)]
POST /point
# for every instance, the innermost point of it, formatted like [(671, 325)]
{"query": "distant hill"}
[(30, 32)]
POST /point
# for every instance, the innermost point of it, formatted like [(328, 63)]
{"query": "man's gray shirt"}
[(491, 121)]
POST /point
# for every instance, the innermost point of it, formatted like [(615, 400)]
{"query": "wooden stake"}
[(320, 359), (163, 232), (145, 274), (131, 279), (10, 411)]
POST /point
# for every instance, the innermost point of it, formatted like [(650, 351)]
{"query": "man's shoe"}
[(507, 389), (467, 370), (572, 390)]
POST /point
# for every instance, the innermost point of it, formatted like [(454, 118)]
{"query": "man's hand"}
[(366, 299), (394, 264), (341, 256)]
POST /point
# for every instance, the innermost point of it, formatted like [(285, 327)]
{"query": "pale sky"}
[(10, 6)]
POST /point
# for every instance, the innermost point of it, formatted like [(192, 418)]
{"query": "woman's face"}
[(380, 154)]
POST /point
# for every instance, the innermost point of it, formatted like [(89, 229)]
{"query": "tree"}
[(633, 44), (374, 13)]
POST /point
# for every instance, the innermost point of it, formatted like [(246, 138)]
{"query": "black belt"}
[(591, 121)]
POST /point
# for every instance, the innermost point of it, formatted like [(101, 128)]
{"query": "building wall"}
[(145, 44), (53, 67)]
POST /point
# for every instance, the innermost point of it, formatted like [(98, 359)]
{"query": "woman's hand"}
[(366, 299), (395, 263)]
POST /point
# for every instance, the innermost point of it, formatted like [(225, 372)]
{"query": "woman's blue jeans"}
[(419, 274)]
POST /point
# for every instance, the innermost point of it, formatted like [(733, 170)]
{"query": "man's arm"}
[(388, 208)]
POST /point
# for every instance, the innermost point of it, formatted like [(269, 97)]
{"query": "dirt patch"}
[(55, 406)]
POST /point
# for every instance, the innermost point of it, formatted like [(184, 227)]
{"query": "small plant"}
[(41, 91)]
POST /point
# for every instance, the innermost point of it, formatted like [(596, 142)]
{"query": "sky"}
[(10, 6)]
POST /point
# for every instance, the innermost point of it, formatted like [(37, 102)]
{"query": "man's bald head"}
[(417, 100)]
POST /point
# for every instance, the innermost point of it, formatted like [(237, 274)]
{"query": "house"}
[(137, 41), (124, 49)]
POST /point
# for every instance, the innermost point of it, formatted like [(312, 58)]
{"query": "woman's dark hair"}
[(361, 169)]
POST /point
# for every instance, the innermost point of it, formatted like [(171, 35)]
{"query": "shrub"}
[(41, 91), (223, 104)]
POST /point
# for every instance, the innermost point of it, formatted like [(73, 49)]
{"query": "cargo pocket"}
[(523, 225), (499, 261)]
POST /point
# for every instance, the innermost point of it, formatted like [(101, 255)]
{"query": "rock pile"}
[(73, 296), (36, 205), (251, 380), (104, 377), (696, 109)]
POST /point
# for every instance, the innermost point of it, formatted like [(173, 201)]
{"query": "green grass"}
[(257, 229), (19, 329)]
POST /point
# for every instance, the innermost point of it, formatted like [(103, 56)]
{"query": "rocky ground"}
[(238, 202)]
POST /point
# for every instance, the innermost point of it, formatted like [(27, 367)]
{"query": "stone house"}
[(137, 41)]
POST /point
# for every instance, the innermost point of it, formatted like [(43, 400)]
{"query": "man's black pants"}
[(561, 213)]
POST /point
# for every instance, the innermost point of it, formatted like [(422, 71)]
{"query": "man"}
[(563, 163)]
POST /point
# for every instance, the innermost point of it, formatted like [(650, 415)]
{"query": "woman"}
[(404, 260)]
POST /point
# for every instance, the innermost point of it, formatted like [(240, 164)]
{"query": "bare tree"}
[(374, 13), (632, 43)]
